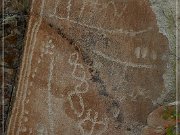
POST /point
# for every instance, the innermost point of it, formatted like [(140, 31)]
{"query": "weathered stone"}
[(153, 131), (11, 32), (162, 121), (155, 119), (90, 68)]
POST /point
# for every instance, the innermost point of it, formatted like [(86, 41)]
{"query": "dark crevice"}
[(87, 60), (100, 83), (63, 35), (12, 47)]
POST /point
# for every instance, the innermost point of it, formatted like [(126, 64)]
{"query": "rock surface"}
[(12, 34), (90, 68), (155, 119), (162, 121), (152, 131)]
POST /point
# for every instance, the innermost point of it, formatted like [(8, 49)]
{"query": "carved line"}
[(41, 130), (68, 9), (94, 8), (29, 67), (115, 31), (115, 9), (50, 111), (94, 122), (79, 114), (73, 60), (24, 78), (139, 92), (83, 81), (124, 8), (43, 51), (19, 87), (32, 4), (128, 64), (30, 131), (56, 5), (26, 83), (82, 8)]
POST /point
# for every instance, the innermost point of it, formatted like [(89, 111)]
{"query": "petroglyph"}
[(144, 52), (30, 131), (79, 89), (94, 122), (126, 64), (35, 30), (25, 119), (69, 8), (82, 55), (48, 48), (23, 129), (139, 92), (82, 8), (50, 111), (41, 129), (56, 5), (29, 70), (33, 36), (45, 50), (115, 111), (102, 30), (138, 52), (93, 5), (153, 55), (73, 60)]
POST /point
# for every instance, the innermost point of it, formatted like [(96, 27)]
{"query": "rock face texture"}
[(12, 34), (90, 67), (165, 12)]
